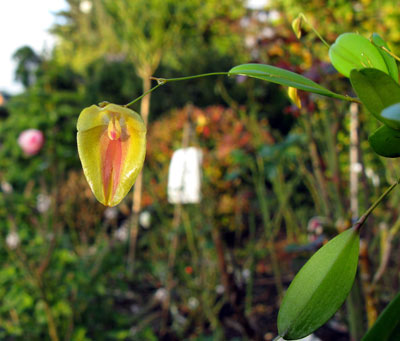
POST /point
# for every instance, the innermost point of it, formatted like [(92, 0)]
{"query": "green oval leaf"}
[(387, 326), (385, 142), (280, 76), (389, 60), (352, 51), (320, 287), (377, 91)]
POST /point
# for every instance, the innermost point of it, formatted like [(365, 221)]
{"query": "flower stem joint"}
[(112, 148)]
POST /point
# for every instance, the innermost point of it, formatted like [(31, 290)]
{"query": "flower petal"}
[(111, 165)]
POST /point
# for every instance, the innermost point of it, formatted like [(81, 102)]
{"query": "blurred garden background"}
[(277, 181)]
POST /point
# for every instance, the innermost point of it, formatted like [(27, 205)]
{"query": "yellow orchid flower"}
[(112, 147)]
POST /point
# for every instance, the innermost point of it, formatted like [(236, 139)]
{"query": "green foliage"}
[(389, 60), (380, 94), (155, 26), (280, 76), (320, 287), (385, 141), (387, 326), (377, 91), (148, 32), (331, 18), (27, 64), (114, 80), (353, 51), (268, 168), (49, 105)]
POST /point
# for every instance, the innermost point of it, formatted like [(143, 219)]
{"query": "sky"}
[(24, 22)]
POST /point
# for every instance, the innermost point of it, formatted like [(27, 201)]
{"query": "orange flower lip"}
[(111, 160), (112, 147)]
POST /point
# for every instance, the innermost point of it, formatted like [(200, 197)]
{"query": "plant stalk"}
[(137, 192), (357, 226)]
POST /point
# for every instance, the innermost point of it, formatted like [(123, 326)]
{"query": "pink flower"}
[(31, 141)]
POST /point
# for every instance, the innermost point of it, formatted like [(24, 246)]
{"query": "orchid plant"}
[(112, 144)]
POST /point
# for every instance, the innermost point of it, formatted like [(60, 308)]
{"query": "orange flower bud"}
[(112, 147)]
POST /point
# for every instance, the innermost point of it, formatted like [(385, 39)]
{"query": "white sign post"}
[(184, 177)]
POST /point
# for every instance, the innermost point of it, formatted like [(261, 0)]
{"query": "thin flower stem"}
[(146, 93), (165, 80), (301, 15), (162, 81), (363, 218)]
